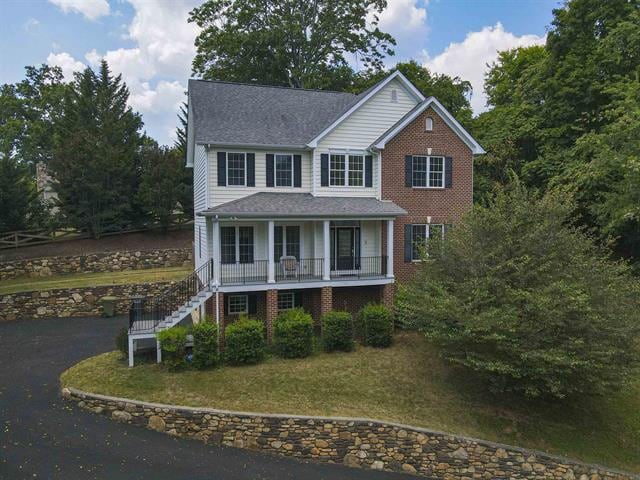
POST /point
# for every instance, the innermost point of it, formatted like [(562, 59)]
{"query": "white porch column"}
[(158, 352), (215, 254), (390, 248), (130, 340), (271, 271), (326, 244)]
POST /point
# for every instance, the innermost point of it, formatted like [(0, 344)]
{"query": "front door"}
[(345, 248)]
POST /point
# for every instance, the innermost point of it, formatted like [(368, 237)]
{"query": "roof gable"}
[(449, 119), (363, 98)]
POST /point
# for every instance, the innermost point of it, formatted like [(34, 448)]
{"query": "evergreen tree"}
[(95, 162), (162, 188), (18, 196)]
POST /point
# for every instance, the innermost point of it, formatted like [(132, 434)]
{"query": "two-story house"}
[(315, 198)]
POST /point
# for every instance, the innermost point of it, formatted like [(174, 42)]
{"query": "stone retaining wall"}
[(72, 302), (96, 263), (359, 443)]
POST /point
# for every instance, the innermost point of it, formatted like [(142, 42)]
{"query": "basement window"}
[(238, 304)]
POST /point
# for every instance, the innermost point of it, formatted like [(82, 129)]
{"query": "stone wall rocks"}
[(73, 302), (96, 263), (359, 443)]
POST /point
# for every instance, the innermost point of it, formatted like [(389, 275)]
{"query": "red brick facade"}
[(442, 205)]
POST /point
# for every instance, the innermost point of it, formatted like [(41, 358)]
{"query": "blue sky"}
[(151, 44)]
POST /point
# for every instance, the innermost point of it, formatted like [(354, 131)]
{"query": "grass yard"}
[(93, 279), (406, 383)]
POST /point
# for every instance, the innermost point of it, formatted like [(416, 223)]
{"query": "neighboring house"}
[(318, 199)]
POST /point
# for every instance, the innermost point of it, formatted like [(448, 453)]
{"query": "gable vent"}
[(394, 95)]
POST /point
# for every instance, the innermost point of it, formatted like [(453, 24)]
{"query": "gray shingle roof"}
[(244, 114), (283, 205)]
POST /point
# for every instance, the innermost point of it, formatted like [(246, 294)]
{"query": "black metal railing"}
[(302, 270), (147, 315), (364, 267), (243, 273)]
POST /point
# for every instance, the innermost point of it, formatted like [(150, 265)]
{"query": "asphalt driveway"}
[(45, 437)]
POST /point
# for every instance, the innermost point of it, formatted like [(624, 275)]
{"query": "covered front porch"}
[(300, 239)]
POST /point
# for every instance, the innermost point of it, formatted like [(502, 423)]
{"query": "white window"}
[(284, 170), (428, 172), (236, 169), (286, 300), (420, 233), (238, 304), (236, 245), (346, 170), (428, 124), (286, 241)]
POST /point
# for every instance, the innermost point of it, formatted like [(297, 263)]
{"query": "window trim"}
[(275, 170), (284, 239), (347, 163), (237, 243), (244, 184), (428, 232), (293, 300), (428, 124), (428, 171), (246, 304)]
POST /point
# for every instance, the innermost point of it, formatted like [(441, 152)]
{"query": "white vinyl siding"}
[(219, 195), (359, 131), (201, 250)]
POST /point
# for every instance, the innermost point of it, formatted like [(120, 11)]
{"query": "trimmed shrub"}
[(244, 342), (377, 325), (173, 341), (293, 334), (337, 331), (205, 345), (122, 341)]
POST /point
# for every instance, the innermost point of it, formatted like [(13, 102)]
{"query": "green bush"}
[(205, 345), (337, 331), (122, 341), (377, 325), (293, 334), (173, 343), (529, 302), (244, 342)]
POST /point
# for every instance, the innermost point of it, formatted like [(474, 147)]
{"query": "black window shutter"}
[(251, 169), (324, 169), (408, 171), (368, 171), (226, 304), (253, 304), (297, 171), (270, 170), (448, 172), (222, 169), (408, 250), (297, 299)]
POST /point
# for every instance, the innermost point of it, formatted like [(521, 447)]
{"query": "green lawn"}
[(93, 279), (406, 383)]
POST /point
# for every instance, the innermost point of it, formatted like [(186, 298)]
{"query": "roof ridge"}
[(246, 84)]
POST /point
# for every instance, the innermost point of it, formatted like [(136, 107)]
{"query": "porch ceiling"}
[(271, 205)]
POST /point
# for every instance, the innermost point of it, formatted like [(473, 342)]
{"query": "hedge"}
[(244, 342), (376, 323), (337, 331), (293, 334)]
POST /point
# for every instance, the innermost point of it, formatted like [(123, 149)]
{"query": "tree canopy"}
[(288, 42), (566, 116)]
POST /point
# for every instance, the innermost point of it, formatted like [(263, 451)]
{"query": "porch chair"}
[(289, 266)]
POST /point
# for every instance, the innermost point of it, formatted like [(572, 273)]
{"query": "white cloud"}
[(67, 63), (157, 67), (470, 58), (406, 21), (91, 9), (31, 25)]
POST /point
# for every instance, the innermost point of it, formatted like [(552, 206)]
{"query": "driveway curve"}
[(44, 437)]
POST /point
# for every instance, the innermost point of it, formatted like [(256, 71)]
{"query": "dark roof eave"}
[(267, 216)]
